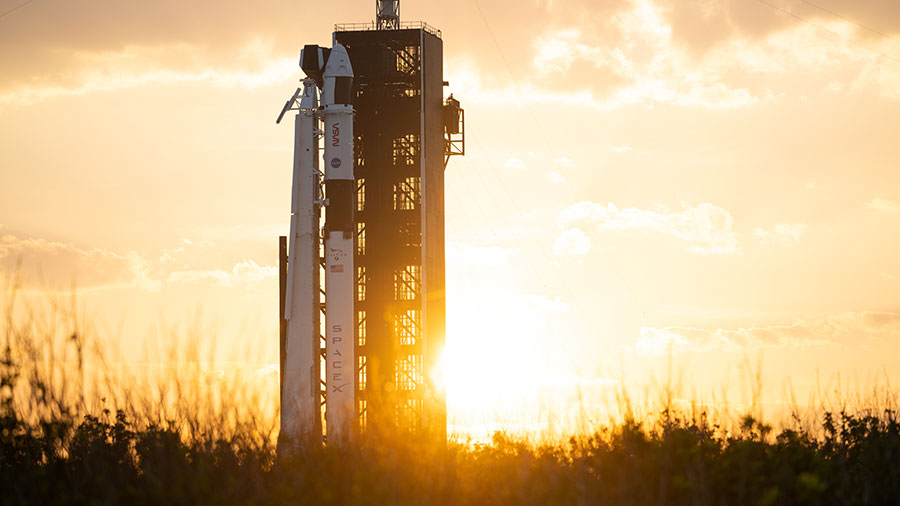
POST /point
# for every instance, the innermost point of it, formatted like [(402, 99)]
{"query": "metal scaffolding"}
[(400, 150)]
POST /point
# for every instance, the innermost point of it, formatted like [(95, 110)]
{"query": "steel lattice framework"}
[(400, 149)]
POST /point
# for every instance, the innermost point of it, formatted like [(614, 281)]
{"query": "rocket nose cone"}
[(338, 63)]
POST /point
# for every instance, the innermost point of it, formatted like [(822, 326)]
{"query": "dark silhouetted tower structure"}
[(404, 133)]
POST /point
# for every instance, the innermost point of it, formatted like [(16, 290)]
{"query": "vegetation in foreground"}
[(54, 449), (105, 461)]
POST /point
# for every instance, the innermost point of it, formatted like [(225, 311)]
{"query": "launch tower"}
[(404, 132)]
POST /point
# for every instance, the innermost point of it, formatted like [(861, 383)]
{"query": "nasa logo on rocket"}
[(336, 134), (336, 254)]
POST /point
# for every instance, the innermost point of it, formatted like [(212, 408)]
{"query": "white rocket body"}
[(340, 230), (300, 394), (300, 415)]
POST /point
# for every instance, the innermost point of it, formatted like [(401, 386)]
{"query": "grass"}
[(72, 435)]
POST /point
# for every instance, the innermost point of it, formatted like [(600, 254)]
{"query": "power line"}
[(553, 154), (820, 27), (540, 246), (857, 23), (23, 4), (543, 135)]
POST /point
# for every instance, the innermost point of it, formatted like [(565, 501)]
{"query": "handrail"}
[(405, 25)]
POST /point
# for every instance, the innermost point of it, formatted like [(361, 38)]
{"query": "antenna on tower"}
[(387, 14)]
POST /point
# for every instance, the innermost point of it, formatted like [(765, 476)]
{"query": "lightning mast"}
[(387, 14)]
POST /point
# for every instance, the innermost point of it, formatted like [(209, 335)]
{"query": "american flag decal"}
[(337, 268)]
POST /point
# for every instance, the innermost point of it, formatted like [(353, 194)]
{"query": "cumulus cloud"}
[(572, 242), (187, 247), (884, 206), (784, 234), (244, 272), (641, 66), (57, 264), (710, 54), (655, 341), (602, 54), (47, 43), (707, 228), (834, 330), (556, 177), (883, 78), (137, 66)]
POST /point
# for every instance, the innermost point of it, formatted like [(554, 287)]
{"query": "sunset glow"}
[(654, 191)]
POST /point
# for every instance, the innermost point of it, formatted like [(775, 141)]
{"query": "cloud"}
[(642, 69), (639, 65), (784, 234), (60, 265), (514, 163), (884, 206), (707, 228), (556, 177), (601, 54), (47, 41), (880, 76), (722, 54), (702, 24), (243, 273), (187, 247), (655, 341), (139, 66), (55, 265), (620, 149), (572, 242), (850, 328)]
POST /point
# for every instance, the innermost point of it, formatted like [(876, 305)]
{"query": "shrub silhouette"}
[(53, 450)]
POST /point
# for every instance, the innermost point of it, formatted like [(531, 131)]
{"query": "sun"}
[(489, 376)]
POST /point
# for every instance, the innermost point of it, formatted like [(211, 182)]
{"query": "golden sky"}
[(714, 178)]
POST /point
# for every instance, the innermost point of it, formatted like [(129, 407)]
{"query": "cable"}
[(23, 4), (515, 81), (518, 210), (553, 154), (860, 44), (857, 23)]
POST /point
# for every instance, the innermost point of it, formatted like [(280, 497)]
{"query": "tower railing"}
[(371, 26)]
